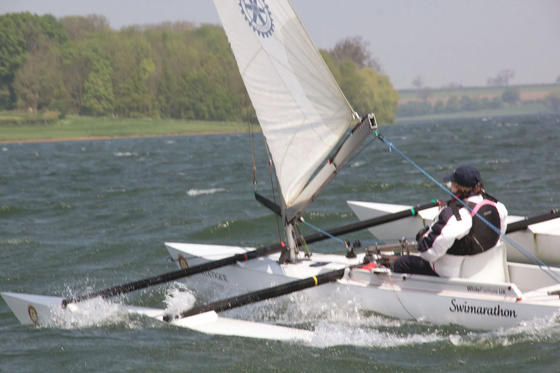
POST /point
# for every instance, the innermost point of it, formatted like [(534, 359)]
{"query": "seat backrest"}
[(489, 266)]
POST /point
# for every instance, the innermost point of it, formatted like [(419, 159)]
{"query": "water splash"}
[(179, 298), (95, 312)]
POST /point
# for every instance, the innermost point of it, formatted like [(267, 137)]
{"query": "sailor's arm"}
[(443, 233)]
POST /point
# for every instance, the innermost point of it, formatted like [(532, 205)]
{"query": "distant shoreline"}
[(95, 138)]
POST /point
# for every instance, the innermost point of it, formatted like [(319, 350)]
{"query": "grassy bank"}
[(75, 127)]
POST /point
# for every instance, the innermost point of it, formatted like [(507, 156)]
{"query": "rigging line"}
[(398, 298), (360, 150), (251, 135), (302, 240), (518, 247), (322, 231), (270, 166)]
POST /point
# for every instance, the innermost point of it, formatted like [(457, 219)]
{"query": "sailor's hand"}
[(421, 233)]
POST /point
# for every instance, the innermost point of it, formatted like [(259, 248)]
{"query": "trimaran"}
[(304, 115)]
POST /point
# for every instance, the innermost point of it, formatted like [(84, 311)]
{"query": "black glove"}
[(421, 233)]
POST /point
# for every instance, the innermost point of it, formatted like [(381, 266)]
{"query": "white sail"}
[(301, 110)]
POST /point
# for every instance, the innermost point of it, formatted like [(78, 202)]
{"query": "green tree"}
[(78, 27), (439, 107), (510, 96), (496, 103), (355, 49), (132, 66), (18, 33), (424, 93), (366, 89), (415, 108), (552, 101), (38, 80), (98, 90), (166, 102), (377, 95), (78, 58), (452, 105)]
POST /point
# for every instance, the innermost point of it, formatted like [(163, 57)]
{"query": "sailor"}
[(457, 231)]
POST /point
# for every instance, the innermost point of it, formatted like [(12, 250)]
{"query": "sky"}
[(443, 41)]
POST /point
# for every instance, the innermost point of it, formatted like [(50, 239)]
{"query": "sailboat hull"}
[(470, 303)]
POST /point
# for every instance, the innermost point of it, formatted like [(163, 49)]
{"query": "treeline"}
[(465, 103), (81, 66), (453, 105)]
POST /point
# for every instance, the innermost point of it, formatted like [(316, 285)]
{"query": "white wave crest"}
[(357, 164), (198, 192), (329, 335)]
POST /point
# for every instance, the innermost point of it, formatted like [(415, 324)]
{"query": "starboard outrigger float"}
[(303, 115), (540, 236)]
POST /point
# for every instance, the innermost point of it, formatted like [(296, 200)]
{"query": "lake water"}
[(87, 215)]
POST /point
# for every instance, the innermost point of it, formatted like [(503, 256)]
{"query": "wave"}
[(198, 192), (357, 164), (16, 242)]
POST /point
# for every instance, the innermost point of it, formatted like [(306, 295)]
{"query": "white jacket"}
[(445, 230)]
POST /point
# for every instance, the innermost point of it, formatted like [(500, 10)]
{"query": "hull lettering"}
[(480, 289), (478, 310), (216, 276)]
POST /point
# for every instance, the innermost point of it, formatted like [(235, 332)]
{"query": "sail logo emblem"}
[(258, 16)]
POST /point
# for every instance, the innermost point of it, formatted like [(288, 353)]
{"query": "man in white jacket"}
[(457, 231)]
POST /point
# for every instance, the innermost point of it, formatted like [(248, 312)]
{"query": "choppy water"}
[(92, 214)]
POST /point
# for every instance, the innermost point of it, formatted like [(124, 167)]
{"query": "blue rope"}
[(518, 247), (322, 231)]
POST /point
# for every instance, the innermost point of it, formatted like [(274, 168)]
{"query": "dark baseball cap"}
[(466, 176)]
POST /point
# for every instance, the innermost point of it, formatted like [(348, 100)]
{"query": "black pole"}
[(523, 224), (260, 295), (350, 228), (266, 250)]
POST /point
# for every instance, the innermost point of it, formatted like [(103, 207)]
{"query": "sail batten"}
[(301, 110)]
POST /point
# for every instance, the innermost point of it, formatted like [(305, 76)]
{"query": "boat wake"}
[(336, 320), (544, 329)]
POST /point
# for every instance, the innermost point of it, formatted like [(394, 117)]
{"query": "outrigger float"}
[(304, 115), (541, 238)]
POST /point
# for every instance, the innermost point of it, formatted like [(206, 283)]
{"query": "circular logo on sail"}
[(256, 12), (32, 312)]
